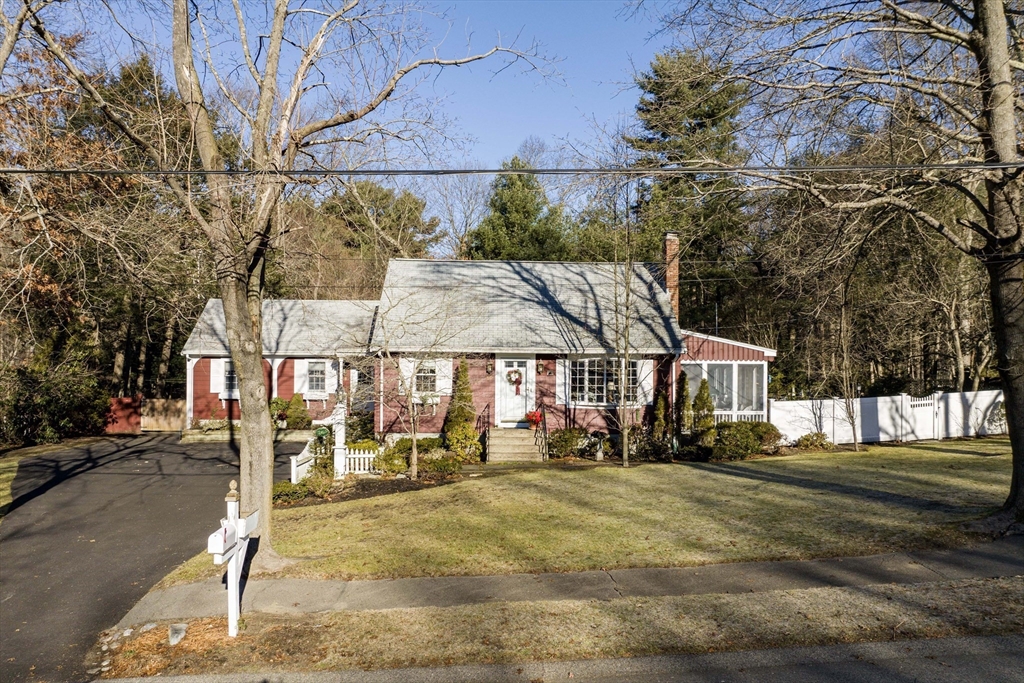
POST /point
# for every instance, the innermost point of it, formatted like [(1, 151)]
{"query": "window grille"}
[(316, 377)]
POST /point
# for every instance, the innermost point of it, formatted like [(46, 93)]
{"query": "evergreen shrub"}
[(567, 443), (296, 413)]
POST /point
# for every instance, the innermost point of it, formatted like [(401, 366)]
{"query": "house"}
[(549, 335), (572, 339), (306, 347)]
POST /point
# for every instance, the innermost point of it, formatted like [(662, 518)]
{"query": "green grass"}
[(883, 499)]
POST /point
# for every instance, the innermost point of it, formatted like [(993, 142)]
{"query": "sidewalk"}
[(1004, 557)]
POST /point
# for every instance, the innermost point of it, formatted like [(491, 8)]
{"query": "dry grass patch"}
[(883, 499), (525, 631)]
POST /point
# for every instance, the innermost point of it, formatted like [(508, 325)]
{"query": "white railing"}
[(301, 464), (739, 416)]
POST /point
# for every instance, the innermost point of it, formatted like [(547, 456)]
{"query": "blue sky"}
[(598, 46)]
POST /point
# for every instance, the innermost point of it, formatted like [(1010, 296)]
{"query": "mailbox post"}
[(229, 544)]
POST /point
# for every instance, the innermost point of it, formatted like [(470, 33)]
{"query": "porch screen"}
[(694, 374), (720, 384), (750, 387)]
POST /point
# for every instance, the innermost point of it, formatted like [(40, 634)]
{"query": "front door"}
[(515, 390)]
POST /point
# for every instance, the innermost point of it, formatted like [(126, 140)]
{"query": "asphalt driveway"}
[(90, 531)]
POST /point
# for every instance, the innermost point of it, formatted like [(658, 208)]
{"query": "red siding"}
[(559, 416), (207, 406), (700, 349)]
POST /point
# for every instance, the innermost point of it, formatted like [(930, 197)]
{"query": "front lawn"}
[(883, 499)]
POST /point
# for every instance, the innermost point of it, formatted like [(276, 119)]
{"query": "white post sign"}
[(229, 544)]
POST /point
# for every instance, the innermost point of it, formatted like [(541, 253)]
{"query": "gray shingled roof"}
[(291, 328), (520, 306)]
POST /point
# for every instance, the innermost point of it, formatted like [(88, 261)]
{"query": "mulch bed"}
[(370, 487)]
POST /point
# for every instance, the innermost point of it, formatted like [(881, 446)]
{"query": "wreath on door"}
[(515, 378)]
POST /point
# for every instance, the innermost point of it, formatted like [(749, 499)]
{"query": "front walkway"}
[(1004, 557)]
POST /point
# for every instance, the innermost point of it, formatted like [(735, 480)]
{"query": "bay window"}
[(596, 381)]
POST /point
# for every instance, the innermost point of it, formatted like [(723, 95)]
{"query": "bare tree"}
[(301, 84), (816, 72)]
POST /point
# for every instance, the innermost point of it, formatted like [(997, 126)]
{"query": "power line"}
[(675, 171)]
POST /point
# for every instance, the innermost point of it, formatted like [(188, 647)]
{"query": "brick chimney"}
[(672, 270)]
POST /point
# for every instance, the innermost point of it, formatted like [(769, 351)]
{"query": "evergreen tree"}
[(683, 408), (522, 224), (460, 409), (688, 112), (704, 416)]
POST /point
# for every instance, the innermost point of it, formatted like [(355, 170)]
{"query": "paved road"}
[(90, 531), (994, 659)]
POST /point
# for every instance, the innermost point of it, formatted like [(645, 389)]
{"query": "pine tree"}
[(521, 225), (704, 416)]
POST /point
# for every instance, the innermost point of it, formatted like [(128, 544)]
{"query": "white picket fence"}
[(345, 461), (893, 418)]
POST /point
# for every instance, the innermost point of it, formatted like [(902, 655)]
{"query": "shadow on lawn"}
[(867, 494)]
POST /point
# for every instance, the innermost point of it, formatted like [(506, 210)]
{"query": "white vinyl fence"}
[(893, 418)]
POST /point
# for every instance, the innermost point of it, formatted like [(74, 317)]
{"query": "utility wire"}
[(627, 171)]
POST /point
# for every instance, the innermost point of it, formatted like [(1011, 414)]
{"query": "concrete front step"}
[(513, 445)]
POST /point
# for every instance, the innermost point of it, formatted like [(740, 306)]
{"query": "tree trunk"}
[(1007, 287), (140, 375), (120, 344), (244, 321), (165, 357)]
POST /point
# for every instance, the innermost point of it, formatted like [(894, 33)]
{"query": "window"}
[(694, 374), (230, 379), (425, 380), (316, 377), (596, 381), (720, 384), (750, 387)]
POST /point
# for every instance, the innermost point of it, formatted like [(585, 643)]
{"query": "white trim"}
[(275, 367), (763, 349), (529, 385), (190, 385)]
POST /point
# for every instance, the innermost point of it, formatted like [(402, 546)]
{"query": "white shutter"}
[(443, 368), (331, 382), (645, 381), (406, 369), (561, 382), (301, 375), (216, 375)]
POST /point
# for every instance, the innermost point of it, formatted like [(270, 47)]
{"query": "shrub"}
[(278, 410), (815, 441), (460, 408), (322, 445), (440, 462), (464, 443), (47, 403), (661, 425), (704, 416), (768, 435), (287, 492), (683, 419), (391, 462), (359, 426), (320, 479), (567, 443), (735, 441), (646, 447), (364, 445), (296, 413), (404, 445)]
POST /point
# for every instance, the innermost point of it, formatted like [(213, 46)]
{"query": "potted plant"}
[(534, 417)]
